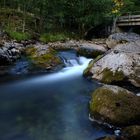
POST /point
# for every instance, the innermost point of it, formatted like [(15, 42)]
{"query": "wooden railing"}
[(129, 19)]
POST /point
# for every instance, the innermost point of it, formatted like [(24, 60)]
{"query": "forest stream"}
[(49, 106)]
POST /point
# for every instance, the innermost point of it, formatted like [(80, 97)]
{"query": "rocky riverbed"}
[(115, 63), (44, 57)]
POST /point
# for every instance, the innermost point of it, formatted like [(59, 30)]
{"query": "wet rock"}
[(119, 38), (132, 132), (114, 105)]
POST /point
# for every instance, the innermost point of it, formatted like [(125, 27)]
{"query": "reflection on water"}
[(35, 109)]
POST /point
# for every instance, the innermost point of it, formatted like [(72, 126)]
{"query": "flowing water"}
[(49, 107)]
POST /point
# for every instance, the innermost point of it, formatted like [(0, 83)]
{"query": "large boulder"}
[(114, 105), (119, 38), (43, 57), (120, 64), (91, 50)]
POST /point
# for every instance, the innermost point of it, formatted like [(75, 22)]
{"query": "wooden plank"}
[(129, 24), (128, 17), (129, 20)]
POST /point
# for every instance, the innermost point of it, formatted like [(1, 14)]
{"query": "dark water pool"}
[(49, 107)]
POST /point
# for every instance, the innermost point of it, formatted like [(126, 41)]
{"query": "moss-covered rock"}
[(115, 105), (132, 132), (108, 76), (116, 67), (43, 57)]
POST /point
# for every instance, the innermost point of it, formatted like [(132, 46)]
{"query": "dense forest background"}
[(33, 18)]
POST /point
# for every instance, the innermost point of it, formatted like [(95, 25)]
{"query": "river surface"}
[(49, 106)]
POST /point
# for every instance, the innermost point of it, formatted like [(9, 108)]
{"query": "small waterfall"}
[(74, 66)]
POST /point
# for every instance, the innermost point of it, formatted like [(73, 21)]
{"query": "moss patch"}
[(48, 60), (19, 36), (118, 108), (110, 77)]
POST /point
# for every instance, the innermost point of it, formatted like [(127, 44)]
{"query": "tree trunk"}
[(24, 20)]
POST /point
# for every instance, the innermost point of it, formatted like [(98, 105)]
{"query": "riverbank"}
[(43, 57), (115, 62), (112, 104)]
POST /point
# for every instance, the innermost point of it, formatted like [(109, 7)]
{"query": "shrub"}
[(48, 37), (19, 36)]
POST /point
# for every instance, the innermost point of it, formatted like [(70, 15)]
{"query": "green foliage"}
[(19, 36), (47, 60), (60, 15), (18, 24), (53, 37), (131, 6)]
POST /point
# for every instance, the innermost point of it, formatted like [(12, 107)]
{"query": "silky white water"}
[(74, 67)]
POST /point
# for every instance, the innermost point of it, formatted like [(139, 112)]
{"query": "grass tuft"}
[(19, 36), (48, 37)]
